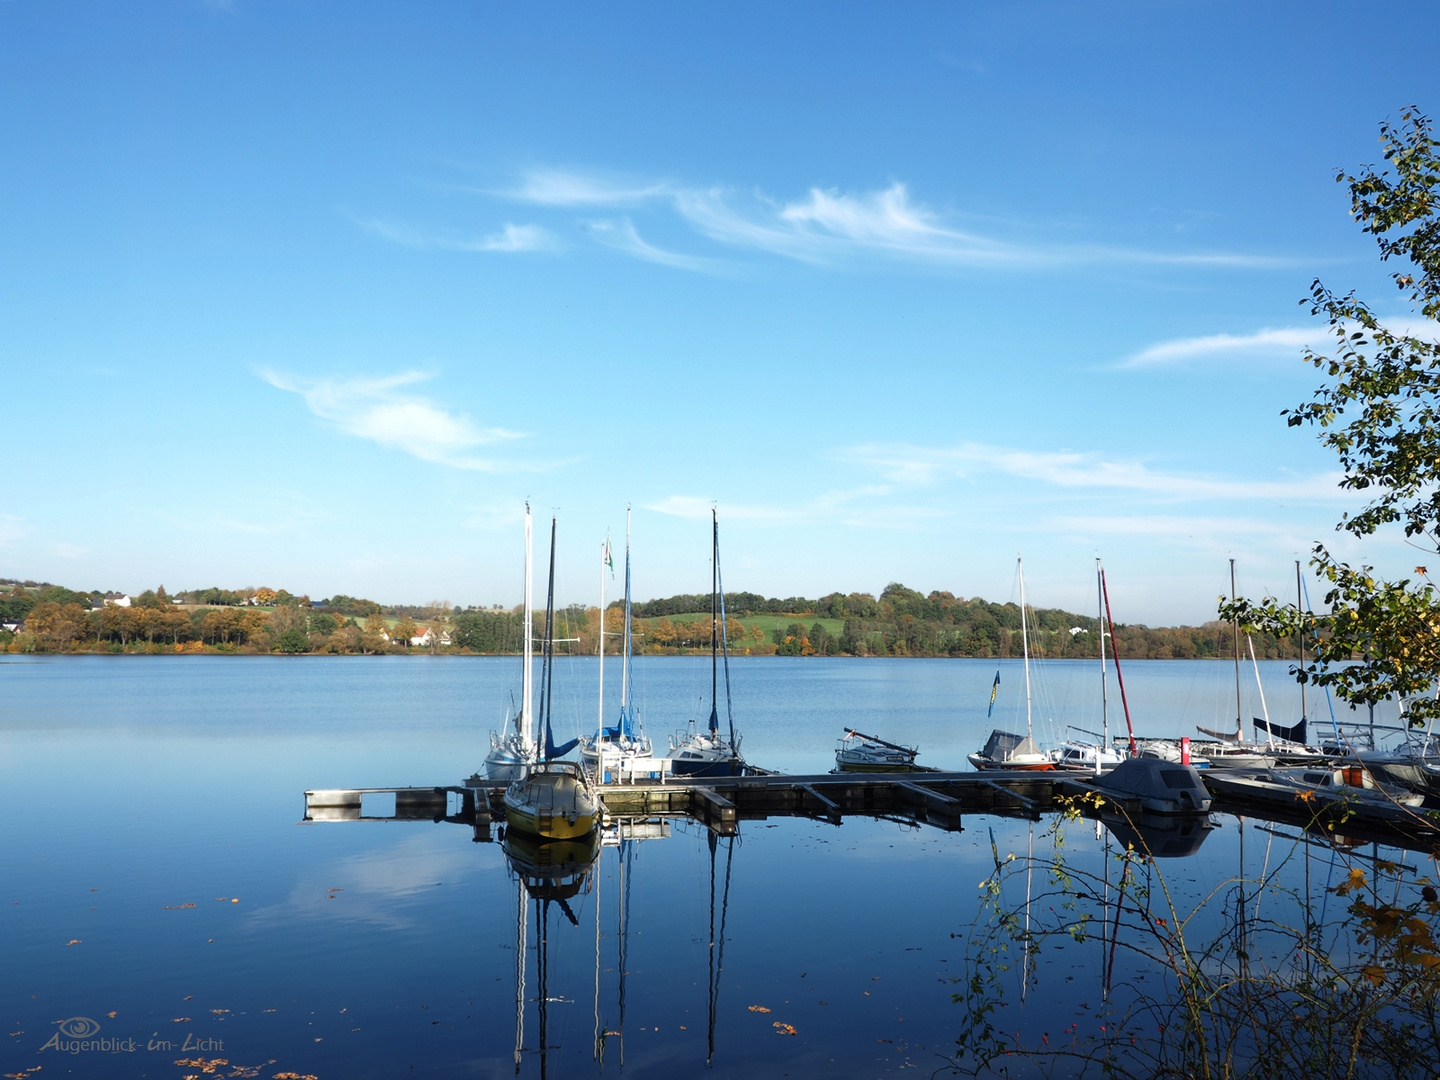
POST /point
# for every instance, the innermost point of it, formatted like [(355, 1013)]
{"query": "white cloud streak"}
[(380, 409), (1079, 470), (510, 239), (829, 227), (622, 236), (1286, 340), (852, 507)]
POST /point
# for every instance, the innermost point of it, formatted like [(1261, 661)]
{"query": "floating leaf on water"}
[(759, 1009), (783, 1029)]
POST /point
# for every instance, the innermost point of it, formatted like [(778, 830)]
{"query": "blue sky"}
[(316, 295)]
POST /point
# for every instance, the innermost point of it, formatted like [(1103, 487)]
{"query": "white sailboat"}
[(709, 753), (1088, 756), (1005, 749), (621, 752), (513, 753), (1233, 750)]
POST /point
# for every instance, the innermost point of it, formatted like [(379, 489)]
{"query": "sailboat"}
[(1005, 749), (708, 753), (555, 801), (1233, 750), (513, 753), (1076, 753), (619, 752)]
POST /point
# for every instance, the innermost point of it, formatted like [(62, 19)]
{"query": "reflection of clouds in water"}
[(378, 886)]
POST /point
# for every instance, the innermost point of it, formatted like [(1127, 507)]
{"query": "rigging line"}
[(1334, 723), (710, 981)]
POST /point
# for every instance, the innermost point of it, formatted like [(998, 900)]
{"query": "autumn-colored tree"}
[(404, 630), (57, 628), (375, 636)]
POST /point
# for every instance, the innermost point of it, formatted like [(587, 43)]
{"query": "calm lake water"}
[(158, 882)]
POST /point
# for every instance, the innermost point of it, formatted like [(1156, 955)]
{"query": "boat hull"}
[(873, 767), (548, 825), (721, 767)]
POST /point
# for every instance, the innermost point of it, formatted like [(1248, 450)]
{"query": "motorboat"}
[(1160, 787), (858, 752), (1352, 783), (1086, 756)]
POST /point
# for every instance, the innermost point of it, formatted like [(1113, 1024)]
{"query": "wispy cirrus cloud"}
[(383, 410), (1209, 346), (1287, 340), (621, 235), (852, 506), (510, 239), (1078, 470), (830, 227)]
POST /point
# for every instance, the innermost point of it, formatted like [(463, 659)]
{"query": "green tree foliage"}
[(350, 605), (1379, 412), (293, 640), (16, 604), (488, 631)]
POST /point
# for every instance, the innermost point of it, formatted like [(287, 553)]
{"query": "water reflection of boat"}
[(859, 752), (556, 800), (709, 753), (551, 869), (1163, 836), (546, 872), (512, 753)]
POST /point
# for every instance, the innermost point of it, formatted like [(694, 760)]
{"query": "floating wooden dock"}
[(934, 798)]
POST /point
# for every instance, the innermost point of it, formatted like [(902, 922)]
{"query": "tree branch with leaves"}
[(1379, 412)]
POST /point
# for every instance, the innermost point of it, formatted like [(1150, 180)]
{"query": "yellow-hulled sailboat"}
[(556, 800)]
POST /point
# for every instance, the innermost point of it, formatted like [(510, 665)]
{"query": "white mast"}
[(527, 692), (1024, 643), (625, 653), (1104, 687)]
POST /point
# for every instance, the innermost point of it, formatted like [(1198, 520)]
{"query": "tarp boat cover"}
[(1162, 787), (1006, 745)]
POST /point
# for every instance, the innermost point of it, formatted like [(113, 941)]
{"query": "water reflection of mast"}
[(627, 853), (522, 936), (717, 946)]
